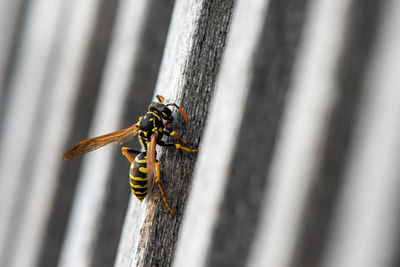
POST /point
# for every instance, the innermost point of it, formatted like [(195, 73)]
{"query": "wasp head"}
[(163, 111)]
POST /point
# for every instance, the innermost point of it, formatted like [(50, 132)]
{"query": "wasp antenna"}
[(160, 98), (180, 110)]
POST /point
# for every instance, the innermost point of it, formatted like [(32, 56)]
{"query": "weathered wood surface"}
[(294, 105), (187, 75)]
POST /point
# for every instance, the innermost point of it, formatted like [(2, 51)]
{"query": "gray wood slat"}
[(191, 59)]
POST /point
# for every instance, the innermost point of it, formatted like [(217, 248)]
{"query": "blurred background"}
[(295, 106), (67, 71)]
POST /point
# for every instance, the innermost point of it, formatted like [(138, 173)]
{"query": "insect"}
[(150, 128)]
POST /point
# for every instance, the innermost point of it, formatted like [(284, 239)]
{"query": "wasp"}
[(150, 128)]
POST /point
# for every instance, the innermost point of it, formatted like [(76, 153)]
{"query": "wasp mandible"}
[(151, 128)]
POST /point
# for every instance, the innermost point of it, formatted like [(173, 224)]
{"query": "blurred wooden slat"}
[(302, 134), (119, 85), (81, 112), (61, 85), (21, 115), (11, 22), (316, 222), (368, 215), (144, 73)]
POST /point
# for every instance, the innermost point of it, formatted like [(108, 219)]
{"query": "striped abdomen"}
[(138, 176)]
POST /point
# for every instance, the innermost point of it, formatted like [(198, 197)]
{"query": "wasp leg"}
[(161, 190), (125, 150), (180, 110), (177, 146), (173, 133)]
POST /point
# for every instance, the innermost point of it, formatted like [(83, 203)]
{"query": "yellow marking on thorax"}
[(158, 117)]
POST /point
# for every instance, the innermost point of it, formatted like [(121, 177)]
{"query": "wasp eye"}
[(166, 114)]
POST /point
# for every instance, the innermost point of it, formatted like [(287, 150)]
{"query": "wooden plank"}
[(190, 63)]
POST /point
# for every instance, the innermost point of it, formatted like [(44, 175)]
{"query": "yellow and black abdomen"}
[(138, 176)]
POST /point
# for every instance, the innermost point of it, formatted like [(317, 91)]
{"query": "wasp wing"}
[(151, 159), (94, 143)]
